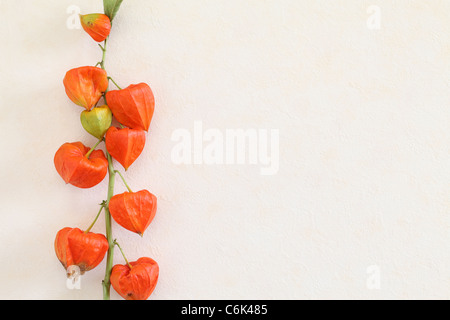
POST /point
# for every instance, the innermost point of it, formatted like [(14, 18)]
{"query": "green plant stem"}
[(108, 220), (123, 254), (124, 182), (115, 83), (93, 148), (96, 218), (102, 63)]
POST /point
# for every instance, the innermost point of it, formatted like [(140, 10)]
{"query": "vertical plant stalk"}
[(109, 236), (123, 254), (108, 219)]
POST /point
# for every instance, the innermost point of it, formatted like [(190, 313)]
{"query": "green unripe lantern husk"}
[(97, 121)]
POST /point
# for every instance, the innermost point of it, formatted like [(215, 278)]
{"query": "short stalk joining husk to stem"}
[(93, 148), (124, 181), (102, 206), (123, 254)]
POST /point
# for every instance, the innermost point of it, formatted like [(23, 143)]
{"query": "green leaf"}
[(111, 7)]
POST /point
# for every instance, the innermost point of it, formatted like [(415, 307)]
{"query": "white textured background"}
[(364, 146)]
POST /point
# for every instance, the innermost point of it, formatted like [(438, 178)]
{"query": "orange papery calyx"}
[(135, 280), (80, 166), (133, 106), (134, 211), (125, 145), (86, 250), (97, 25), (86, 85)]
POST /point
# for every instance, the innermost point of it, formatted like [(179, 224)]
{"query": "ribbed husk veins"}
[(137, 282), (133, 107), (76, 169), (73, 247)]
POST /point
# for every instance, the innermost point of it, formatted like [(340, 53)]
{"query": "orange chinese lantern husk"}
[(125, 145), (76, 169), (133, 107), (86, 85), (97, 25), (73, 247), (134, 211), (137, 282)]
